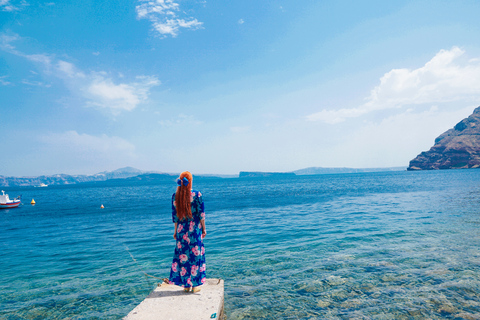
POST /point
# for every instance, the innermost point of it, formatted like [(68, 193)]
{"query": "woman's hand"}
[(175, 235), (204, 233)]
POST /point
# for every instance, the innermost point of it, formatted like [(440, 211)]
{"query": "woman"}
[(188, 214)]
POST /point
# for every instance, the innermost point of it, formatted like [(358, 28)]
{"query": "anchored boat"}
[(6, 203)]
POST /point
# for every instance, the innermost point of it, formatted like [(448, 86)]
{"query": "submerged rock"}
[(446, 308), (456, 148), (467, 316), (323, 303), (351, 303), (335, 280)]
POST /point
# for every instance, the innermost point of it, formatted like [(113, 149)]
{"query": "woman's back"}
[(188, 215)]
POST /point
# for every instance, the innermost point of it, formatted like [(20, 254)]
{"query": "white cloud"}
[(5, 41), (4, 82), (69, 69), (445, 78), (442, 79), (106, 94), (241, 21), (98, 88), (35, 83), (102, 91), (163, 7), (8, 5), (42, 58), (172, 26), (164, 17)]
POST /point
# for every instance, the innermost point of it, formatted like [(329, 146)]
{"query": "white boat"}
[(43, 185), (6, 203)]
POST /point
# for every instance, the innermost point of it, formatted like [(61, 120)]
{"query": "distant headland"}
[(457, 148), (132, 174), (245, 174)]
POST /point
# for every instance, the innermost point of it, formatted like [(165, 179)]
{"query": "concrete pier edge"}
[(170, 302)]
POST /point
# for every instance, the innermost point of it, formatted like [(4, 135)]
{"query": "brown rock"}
[(456, 148)]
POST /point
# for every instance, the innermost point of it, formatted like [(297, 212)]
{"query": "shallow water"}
[(397, 245)]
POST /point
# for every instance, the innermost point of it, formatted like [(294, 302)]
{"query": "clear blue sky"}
[(224, 86)]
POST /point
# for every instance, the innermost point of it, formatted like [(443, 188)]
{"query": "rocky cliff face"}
[(456, 148)]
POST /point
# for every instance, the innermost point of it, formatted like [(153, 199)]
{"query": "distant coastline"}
[(133, 174), (321, 170), (260, 174)]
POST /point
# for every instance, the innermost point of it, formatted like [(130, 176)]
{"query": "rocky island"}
[(456, 148)]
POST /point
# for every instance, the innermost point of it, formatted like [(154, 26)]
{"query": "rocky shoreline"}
[(457, 148)]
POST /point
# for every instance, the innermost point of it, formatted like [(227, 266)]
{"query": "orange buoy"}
[(32, 202), (101, 207)]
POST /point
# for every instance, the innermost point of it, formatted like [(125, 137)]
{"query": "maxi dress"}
[(188, 266)]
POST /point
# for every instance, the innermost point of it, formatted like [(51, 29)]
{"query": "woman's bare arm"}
[(204, 229)]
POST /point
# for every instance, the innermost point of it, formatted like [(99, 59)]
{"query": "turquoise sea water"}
[(398, 245)]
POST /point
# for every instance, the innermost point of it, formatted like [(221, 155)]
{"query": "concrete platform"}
[(170, 302)]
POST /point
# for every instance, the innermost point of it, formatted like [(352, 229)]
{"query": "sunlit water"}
[(401, 245)]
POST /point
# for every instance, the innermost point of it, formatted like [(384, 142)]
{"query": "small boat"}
[(42, 185), (6, 203)]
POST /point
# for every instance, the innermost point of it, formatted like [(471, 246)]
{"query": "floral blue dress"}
[(188, 266)]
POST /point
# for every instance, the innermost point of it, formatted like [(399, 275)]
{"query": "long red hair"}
[(182, 197)]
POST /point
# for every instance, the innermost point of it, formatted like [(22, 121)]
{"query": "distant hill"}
[(133, 174), (320, 170), (315, 171), (126, 174), (63, 179), (246, 174), (151, 177), (457, 148), (121, 173)]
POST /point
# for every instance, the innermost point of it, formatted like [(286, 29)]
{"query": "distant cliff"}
[(321, 170), (456, 148), (245, 174), (315, 171)]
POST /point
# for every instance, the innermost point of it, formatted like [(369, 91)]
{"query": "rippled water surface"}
[(398, 245)]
